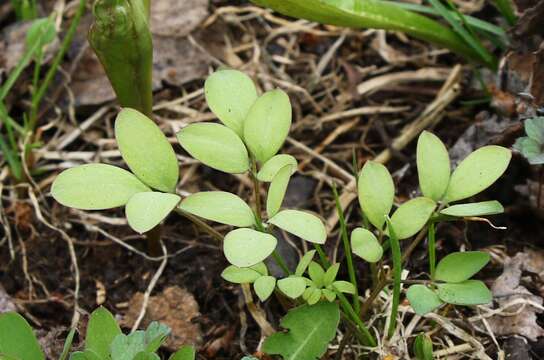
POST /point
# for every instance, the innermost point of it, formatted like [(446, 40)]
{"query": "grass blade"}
[(397, 272)]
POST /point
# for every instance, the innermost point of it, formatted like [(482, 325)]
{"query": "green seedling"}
[(25, 9), (532, 145), (423, 347)]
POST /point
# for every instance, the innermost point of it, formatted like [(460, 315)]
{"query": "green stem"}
[(322, 256), (348, 310), (281, 263), (432, 248), (397, 273), (507, 10)]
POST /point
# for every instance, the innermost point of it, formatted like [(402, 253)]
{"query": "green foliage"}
[(422, 299), (270, 168), (376, 192), (185, 353), (238, 275), (310, 329), (302, 224), (532, 145), (365, 245), (423, 347), (483, 208), (412, 216), (17, 340), (433, 166), (41, 32), (304, 262), (264, 287), (25, 9), (101, 331), (470, 292), (277, 190), (146, 210), (461, 266), (247, 247), (292, 286)]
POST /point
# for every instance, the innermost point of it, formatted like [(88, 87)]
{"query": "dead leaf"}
[(174, 18)]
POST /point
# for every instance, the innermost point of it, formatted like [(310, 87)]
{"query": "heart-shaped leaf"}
[(474, 209), (433, 166), (264, 287), (460, 266), (267, 124), (146, 210), (238, 275), (304, 262), (422, 299), (411, 216), (96, 187), (477, 172), (272, 166), (230, 94), (101, 331), (365, 245), (216, 146), (470, 292), (277, 189), (219, 206), (292, 286), (146, 150), (302, 224), (247, 247), (376, 192), (17, 340)]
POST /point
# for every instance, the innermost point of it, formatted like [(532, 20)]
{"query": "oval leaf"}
[(477, 172), (304, 262), (101, 331), (219, 206), (230, 94), (316, 273), (277, 190), (96, 187), (422, 299), (411, 216), (376, 192), (17, 340), (237, 275), (433, 166), (292, 286), (330, 274), (461, 266), (264, 287), (365, 245), (272, 166), (267, 124), (146, 210), (216, 146), (344, 286), (470, 292), (474, 209), (146, 150), (302, 224), (247, 247)]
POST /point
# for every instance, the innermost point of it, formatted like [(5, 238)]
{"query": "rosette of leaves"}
[(532, 145), (147, 192), (252, 130)]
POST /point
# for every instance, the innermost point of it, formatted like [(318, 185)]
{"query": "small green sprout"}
[(423, 347), (532, 145)]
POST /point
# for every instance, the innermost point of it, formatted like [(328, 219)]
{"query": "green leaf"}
[(302, 224), (96, 187), (220, 206), (433, 166), (267, 124), (277, 189), (534, 128), (311, 328), (422, 299), (275, 164), (411, 216), (344, 286), (316, 273), (264, 287), (237, 275), (41, 31), (260, 268), (17, 340), (460, 266), (155, 335), (127, 347), (376, 192), (230, 94), (477, 172), (329, 294), (247, 247), (215, 145), (314, 296), (101, 331), (474, 209), (470, 292), (185, 353), (292, 286), (146, 210), (144, 355), (423, 347), (365, 245), (146, 150), (530, 149), (330, 274), (304, 262)]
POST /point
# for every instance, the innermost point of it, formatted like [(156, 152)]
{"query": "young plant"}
[(25, 9)]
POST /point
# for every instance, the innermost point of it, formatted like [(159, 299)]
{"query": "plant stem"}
[(281, 263), (256, 190), (431, 238), (201, 225), (397, 273), (322, 256), (348, 310)]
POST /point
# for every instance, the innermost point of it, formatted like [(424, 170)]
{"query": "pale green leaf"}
[(411, 216), (277, 189), (272, 166), (534, 128), (185, 353), (309, 290), (316, 273), (477, 172), (247, 247), (302, 224), (96, 187), (41, 31), (219, 206), (422, 299), (230, 94), (304, 262), (310, 329), (365, 245), (146, 150), (146, 210), (216, 146), (237, 275), (423, 347), (264, 287), (329, 294), (433, 166), (292, 286), (101, 331), (314, 296), (267, 124), (330, 274), (344, 286), (376, 192), (474, 209), (260, 268), (470, 292), (128, 347), (17, 340), (460, 266), (155, 335)]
